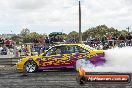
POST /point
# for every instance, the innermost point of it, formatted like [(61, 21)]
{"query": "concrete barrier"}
[(9, 61)]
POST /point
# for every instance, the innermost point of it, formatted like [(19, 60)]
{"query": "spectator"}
[(1, 41), (97, 41), (35, 41), (10, 43), (47, 40), (7, 43), (110, 41), (114, 37), (1, 48), (109, 37), (104, 40), (128, 39), (121, 40), (4, 51), (41, 40), (51, 40)]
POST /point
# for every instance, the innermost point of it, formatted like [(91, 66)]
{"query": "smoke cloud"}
[(117, 60)]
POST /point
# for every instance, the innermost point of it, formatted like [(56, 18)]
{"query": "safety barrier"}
[(9, 61)]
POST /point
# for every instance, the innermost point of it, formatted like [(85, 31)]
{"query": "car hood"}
[(98, 51), (36, 56)]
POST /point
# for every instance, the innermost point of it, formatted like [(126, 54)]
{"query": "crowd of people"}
[(30, 49), (5, 45), (111, 40), (47, 40), (41, 44)]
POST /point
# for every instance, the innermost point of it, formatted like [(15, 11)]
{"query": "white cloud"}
[(55, 15)]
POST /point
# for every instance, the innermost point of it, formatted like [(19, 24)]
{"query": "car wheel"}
[(31, 66)]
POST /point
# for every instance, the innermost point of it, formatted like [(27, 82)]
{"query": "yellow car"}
[(59, 56)]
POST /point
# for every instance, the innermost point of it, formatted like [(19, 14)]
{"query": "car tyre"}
[(30, 66)]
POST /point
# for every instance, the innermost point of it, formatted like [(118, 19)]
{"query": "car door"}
[(71, 53), (68, 60), (81, 53), (52, 58)]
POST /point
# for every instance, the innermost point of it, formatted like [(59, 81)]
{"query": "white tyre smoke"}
[(117, 60)]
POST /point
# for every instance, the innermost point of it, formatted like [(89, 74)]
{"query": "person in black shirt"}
[(47, 40), (1, 41), (121, 40), (104, 40), (128, 39)]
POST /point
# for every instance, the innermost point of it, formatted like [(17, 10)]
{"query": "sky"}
[(46, 16)]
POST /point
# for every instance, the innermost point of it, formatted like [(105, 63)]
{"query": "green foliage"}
[(25, 32), (95, 32), (31, 36), (44, 35), (58, 35), (64, 35), (17, 39), (101, 30), (73, 34)]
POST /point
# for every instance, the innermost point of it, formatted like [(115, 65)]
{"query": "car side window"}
[(79, 49), (54, 51), (50, 51), (68, 49), (58, 50)]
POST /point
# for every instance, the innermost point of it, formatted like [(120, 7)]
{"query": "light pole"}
[(80, 33), (128, 29)]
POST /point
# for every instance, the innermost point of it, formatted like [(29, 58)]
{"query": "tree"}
[(25, 32), (99, 31), (30, 37), (64, 35), (17, 39), (123, 32), (45, 35), (73, 34)]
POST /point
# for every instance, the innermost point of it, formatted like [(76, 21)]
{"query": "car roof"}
[(69, 44), (81, 45)]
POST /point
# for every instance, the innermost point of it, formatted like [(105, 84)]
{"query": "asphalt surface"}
[(50, 79), (10, 78)]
